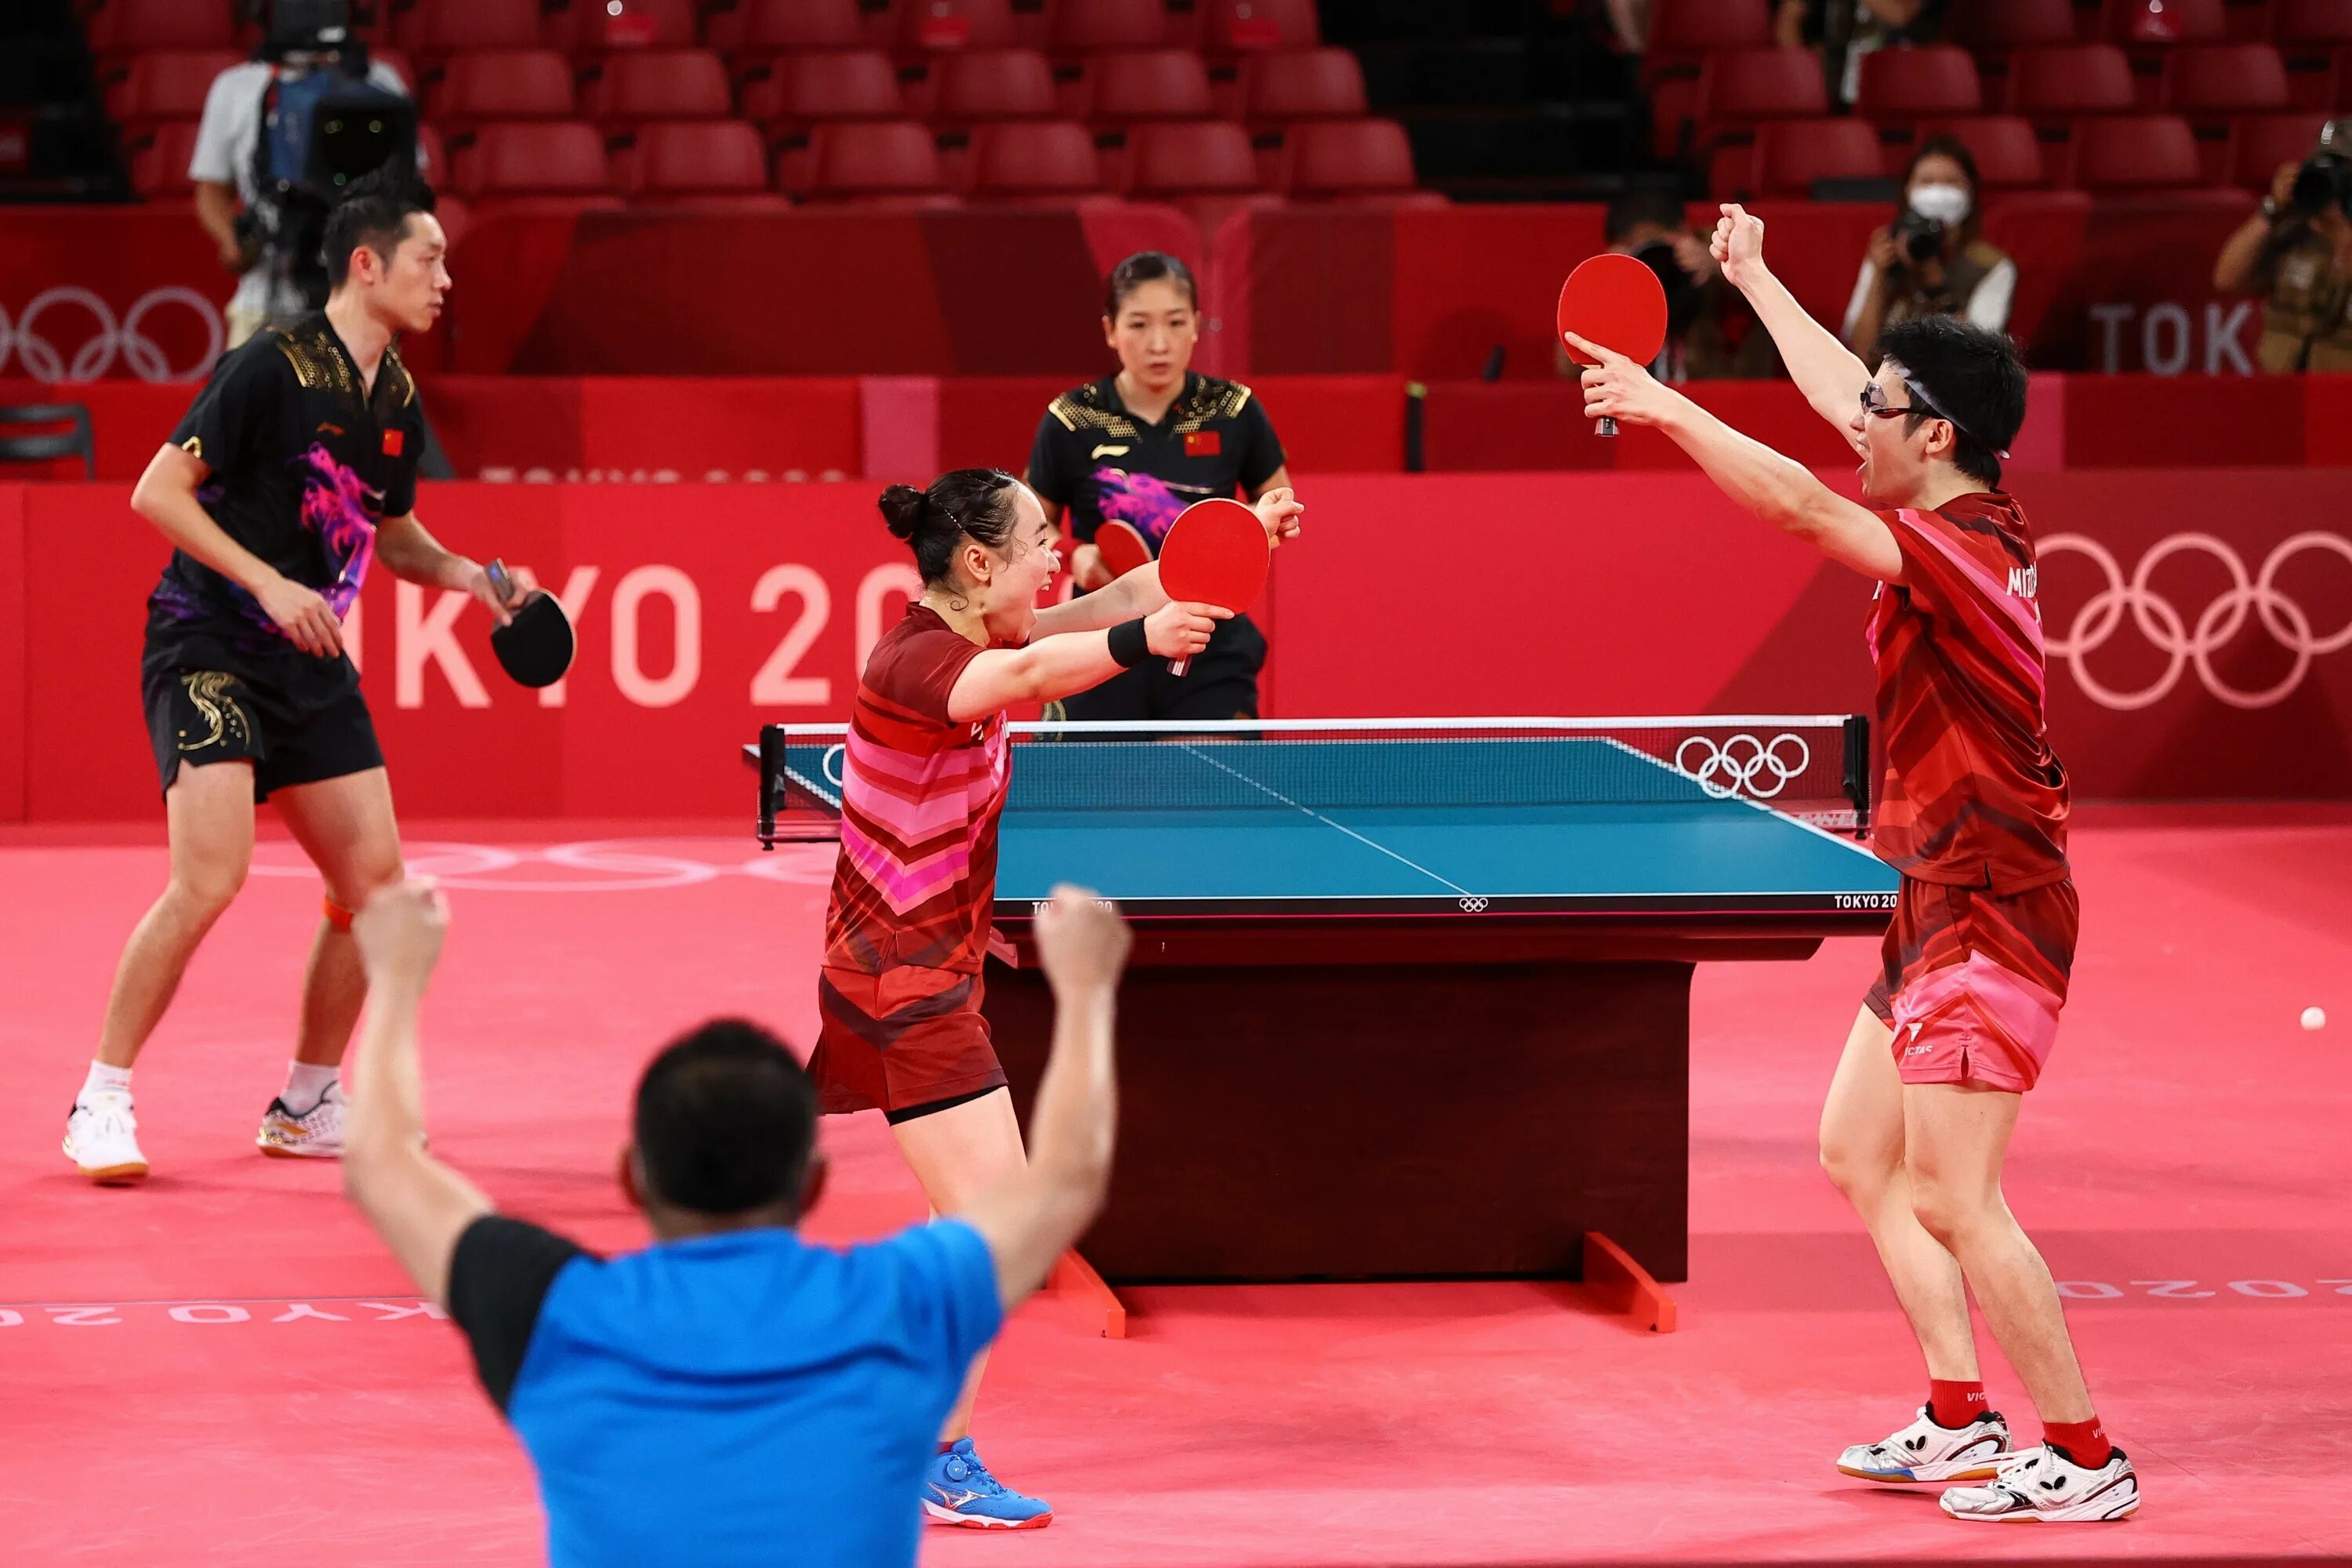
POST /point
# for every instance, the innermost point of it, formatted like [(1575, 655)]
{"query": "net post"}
[(1857, 771), (771, 768)]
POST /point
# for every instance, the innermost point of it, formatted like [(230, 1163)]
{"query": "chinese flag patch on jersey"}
[(391, 439), (1202, 444)]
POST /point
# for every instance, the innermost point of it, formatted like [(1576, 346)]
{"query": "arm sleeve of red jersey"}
[(922, 670), (1945, 565)]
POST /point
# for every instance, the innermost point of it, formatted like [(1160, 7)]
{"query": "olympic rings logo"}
[(125, 340), (2186, 643), (1744, 764), (1473, 905)]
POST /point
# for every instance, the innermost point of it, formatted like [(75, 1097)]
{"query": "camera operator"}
[(2297, 250), (1933, 259), (264, 146), (1711, 334)]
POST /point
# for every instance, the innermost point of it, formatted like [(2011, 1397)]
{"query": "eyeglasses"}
[(1875, 405)]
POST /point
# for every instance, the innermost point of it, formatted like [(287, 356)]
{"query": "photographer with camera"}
[(281, 136), (2297, 250), (1933, 259), (1711, 334)]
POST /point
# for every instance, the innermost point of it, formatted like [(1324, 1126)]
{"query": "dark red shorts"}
[(1972, 981), (905, 1037)]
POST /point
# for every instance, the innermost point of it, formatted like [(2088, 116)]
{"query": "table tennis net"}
[(1812, 768)]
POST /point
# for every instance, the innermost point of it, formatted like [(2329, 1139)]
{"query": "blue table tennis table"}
[(1410, 998)]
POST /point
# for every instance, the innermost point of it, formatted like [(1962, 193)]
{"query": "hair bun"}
[(902, 508)]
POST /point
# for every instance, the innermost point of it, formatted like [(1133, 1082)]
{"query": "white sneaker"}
[(2048, 1486), (1924, 1451), (103, 1140), (316, 1134)]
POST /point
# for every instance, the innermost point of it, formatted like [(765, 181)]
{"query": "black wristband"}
[(1129, 646)]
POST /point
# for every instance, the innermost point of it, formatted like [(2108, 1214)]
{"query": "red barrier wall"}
[(705, 609)]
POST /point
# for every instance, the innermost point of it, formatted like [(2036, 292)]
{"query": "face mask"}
[(1948, 205)]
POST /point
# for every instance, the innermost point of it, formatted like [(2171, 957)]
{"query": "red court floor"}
[(223, 1368)]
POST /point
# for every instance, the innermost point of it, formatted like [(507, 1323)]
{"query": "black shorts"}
[(1220, 683), (203, 716)]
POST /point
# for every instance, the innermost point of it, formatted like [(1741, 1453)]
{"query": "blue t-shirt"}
[(745, 1398)]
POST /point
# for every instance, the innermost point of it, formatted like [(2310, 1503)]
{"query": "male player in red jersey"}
[(1973, 813)]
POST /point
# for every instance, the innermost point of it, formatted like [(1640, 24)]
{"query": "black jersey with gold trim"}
[(1102, 462)]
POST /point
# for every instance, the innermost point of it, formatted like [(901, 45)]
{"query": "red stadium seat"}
[(170, 84), (2075, 80), (2166, 22), (2136, 153), (1682, 32), (1996, 24), (1034, 161), (1905, 84), (503, 84), (1230, 28), (661, 84), (930, 27), (992, 84), (160, 171), (2307, 22), (436, 29), (1736, 86), (858, 84), (1350, 158), (1083, 27), (145, 27), (1792, 155), (1302, 84), (758, 29), (2260, 143), (1154, 84), (590, 30), (534, 158), (2225, 79), (1190, 158), (694, 158), (867, 160), (2007, 152)]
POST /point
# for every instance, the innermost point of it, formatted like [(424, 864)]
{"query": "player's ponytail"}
[(973, 503)]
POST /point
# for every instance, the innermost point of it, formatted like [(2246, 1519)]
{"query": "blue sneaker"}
[(958, 1490)]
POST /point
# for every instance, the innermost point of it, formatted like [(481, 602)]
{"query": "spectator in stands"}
[(1845, 30), (234, 171), (2298, 251), (1933, 259), (1711, 335)]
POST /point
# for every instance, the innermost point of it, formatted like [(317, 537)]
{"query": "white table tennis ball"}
[(2313, 1018)]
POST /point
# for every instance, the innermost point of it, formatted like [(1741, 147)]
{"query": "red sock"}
[(2084, 1442), (1955, 1405)]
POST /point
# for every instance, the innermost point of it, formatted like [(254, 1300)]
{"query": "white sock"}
[(306, 1084), (104, 1079)]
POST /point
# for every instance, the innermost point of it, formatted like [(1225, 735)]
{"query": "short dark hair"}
[(1148, 266), (373, 211), (1634, 209), (726, 1119), (1973, 375), (977, 502)]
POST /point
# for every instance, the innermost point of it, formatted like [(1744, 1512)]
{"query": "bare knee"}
[(354, 884), (1947, 1212), (203, 887), (1861, 1169)]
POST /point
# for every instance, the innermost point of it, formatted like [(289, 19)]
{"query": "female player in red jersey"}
[(926, 770), (1973, 813)]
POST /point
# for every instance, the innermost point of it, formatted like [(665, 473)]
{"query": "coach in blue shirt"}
[(731, 1394)]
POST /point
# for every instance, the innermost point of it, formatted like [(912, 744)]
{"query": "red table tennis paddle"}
[(1618, 302), (1217, 553), (1122, 547)]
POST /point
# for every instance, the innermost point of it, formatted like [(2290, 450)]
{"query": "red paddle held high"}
[(1122, 548), (1217, 553), (1618, 302)]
